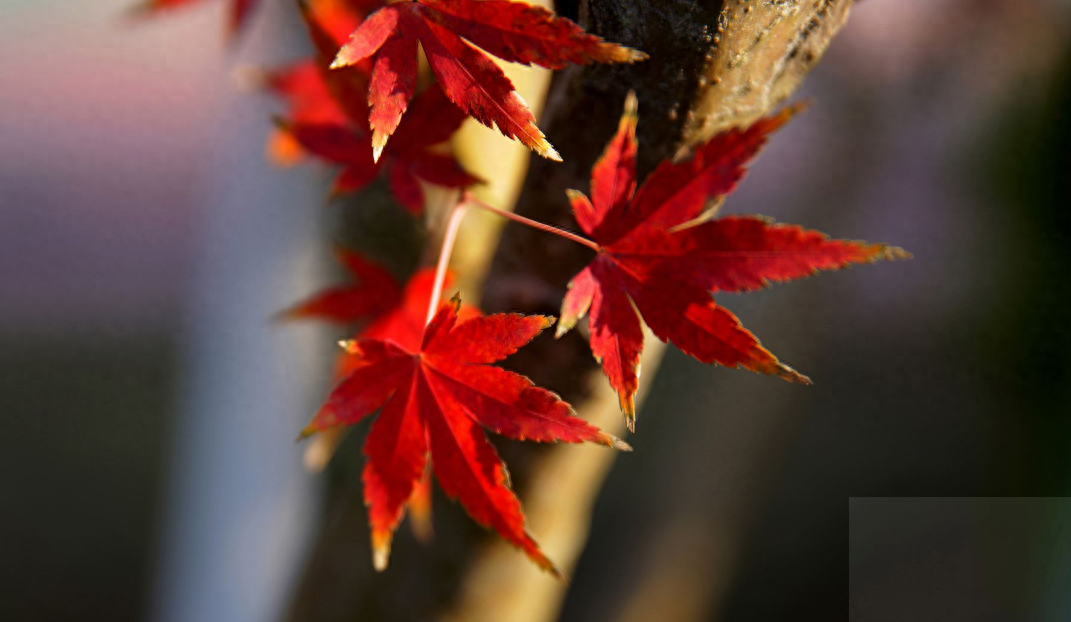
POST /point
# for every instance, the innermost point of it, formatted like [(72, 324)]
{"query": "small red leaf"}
[(374, 292), (407, 158), (448, 30)]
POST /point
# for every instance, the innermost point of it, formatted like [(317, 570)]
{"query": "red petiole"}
[(456, 214)]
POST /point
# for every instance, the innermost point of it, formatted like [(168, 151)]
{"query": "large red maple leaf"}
[(513, 31), (661, 254), (435, 399)]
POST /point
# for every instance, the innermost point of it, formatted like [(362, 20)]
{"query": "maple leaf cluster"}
[(327, 117), (661, 252)]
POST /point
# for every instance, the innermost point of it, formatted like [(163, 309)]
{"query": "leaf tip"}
[(305, 433), (628, 407), (892, 253), (619, 444), (558, 574), (340, 60), (544, 562), (381, 540), (380, 558), (316, 457), (349, 345), (632, 105), (787, 373)]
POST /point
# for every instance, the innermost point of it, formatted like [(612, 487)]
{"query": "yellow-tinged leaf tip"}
[(547, 565), (559, 575), (305, 433), (619, 444), (380, 549), (787, 373), (628, 407), (632, 106), (891, 253), (380, 557), (377, 150)]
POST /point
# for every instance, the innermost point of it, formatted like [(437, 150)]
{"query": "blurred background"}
[(149, 406)]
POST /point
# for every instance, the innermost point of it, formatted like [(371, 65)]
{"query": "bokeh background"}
[(149, 405)]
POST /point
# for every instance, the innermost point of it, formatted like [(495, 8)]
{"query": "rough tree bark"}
[(713, 65)]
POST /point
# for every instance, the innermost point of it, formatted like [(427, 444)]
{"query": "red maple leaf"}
[(435, 399), (513, 31), (660, 256), (314, 94), (432, 120), (373, 294), (327, 117)]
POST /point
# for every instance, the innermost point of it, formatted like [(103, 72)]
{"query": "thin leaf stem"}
[(450, 237), (468, 199), (456, 214)]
